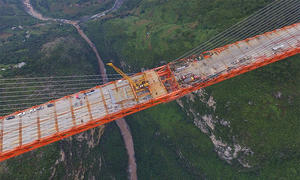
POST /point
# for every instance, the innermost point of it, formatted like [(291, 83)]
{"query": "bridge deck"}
[(223, 60), (57, 116), (29, 129)]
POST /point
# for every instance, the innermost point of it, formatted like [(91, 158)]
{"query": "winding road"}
[(123, 126)]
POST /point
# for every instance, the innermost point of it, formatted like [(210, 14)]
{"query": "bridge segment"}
[(43, 124)]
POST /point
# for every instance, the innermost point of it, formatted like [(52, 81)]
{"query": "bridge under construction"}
[(43, 124)]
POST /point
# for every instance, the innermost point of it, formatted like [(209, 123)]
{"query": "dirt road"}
[(123, 126)]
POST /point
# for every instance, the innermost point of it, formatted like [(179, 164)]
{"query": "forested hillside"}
[(71, 9)]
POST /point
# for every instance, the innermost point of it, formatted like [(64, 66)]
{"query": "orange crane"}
[(137, 85)]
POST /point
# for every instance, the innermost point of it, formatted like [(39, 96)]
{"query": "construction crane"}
[(138, 85)]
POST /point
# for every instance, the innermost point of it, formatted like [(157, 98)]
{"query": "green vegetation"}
[(12, 13), (48, 49), (113, 155), (169, 146), (264, 114), (31, 165), (149, 35), (71, 9)]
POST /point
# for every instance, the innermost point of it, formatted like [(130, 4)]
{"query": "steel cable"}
[(213, 39), (220, 40), (233, 40), (216, 38), (59, 81), (262, 28), (54, 77), (43, 90), (290, 20)]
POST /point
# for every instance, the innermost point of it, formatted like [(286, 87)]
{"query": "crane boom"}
[(122, 74), (130, 81)]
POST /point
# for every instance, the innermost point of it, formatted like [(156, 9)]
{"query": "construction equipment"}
[(138, 85)]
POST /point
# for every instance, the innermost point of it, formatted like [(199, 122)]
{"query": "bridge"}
[(37, 126), (43, 124)]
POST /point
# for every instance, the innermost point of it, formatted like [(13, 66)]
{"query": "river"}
[(122, 124)]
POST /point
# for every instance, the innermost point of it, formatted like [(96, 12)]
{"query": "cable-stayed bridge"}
[(42, 124)]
